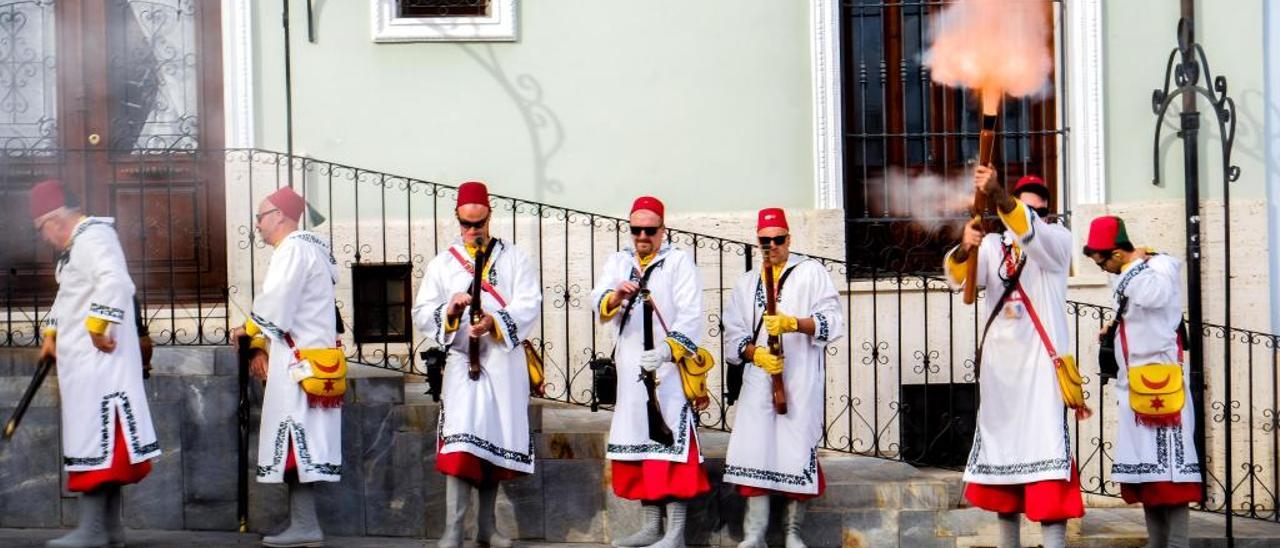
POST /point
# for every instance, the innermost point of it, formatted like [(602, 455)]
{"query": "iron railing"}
[(899, 381)]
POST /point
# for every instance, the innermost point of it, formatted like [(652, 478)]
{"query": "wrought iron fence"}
[(900, 382)]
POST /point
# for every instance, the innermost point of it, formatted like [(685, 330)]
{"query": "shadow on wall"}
[(546, 133)]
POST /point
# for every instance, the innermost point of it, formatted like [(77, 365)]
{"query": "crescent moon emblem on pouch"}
[(1155, 385), (334, 369)]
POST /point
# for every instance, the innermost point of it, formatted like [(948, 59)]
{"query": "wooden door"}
[(129, 117)]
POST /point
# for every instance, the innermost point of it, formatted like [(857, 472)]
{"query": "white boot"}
[(1178, 518), (304, 525), (674, 537), (457, 496), (115, 517), (650, 528), (795, 518), (1157, 526), (756, 523), (487, 531), (91, 530), (1055, 533)]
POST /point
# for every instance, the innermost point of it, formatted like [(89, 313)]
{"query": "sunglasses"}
[(647, 230), (465, 224), (259, 216), (774, 240)]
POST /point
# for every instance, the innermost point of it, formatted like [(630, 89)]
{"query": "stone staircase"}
[(390, 487)]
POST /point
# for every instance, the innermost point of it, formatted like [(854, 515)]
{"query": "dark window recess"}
[(899, 126), (382, 294), (938, 421), (443, 8)]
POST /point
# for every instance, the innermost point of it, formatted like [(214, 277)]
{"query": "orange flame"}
[(993, 46)]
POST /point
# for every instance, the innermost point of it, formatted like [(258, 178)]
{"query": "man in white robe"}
[(643, 469), (1155, 464), (299, 440), (107, 436), (484, 435), (769, 453), (1021, 459)]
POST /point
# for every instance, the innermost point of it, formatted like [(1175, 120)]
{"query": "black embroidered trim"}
[(676, 448), (805, 477), (438, 318), (485, 445), (106, 311), (510, 324), (1128, 277), (304, 453), (1161, 466), (742, 345), (104, 437), (684, 341), (65, 256), (267, 325), (824, 328), (309, 237), (1021, 467)]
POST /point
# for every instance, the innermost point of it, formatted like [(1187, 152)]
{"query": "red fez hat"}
[(650, 203), (473, 192), (772, 217), (46, 196), (1031, 183), (289, 203), (1105, 234)]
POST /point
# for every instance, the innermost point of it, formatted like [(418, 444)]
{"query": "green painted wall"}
[(1139, 34), (705, 104)]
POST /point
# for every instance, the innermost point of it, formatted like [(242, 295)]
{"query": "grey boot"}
[(650, 528), (674, 536), (115, 517), (487, 531), (304, 525), (1178, 517), (1010, 530), (795, 518), (1157, 526), (756, 523), (1055, 533), (457, 496), (91, 530)]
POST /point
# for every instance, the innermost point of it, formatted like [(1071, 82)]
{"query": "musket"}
[(477, 312), (775, 341), (658, 430), (42, 370), (986, 146)]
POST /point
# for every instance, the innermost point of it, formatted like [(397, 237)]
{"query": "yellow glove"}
[(768, 362), (778, 324)]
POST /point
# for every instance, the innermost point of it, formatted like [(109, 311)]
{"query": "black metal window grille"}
[(443, 8), (900, 126), (383, 302)]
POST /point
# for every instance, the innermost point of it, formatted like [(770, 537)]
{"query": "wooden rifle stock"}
[(775, 341), (477, 311), (42, 371), (986, 145)]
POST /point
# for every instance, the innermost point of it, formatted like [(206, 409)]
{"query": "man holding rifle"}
[(651, 293), (107, 436), (484, 433), (1021, 461), (774, 446)]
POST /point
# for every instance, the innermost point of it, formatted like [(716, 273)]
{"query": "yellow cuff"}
[(497, 333), (1017, 220), (251, 328), (959, 272), (451, 324), (605, 313), (49, 332), (259, 343), (97, 326)]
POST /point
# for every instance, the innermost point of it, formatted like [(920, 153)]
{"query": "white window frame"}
[(499, 26), (1082, 99)]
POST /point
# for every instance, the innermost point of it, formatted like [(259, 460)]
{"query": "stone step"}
[(1107, 527)]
